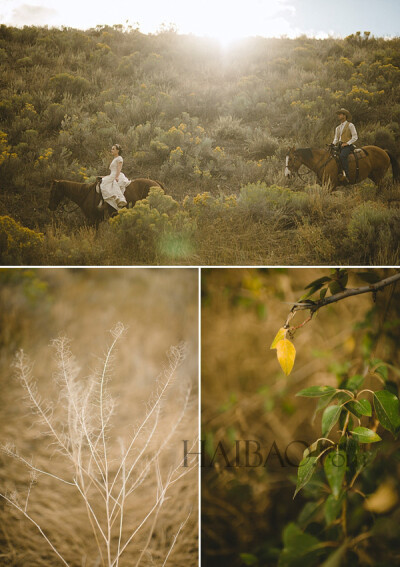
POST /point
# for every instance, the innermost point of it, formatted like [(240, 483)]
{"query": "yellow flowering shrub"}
[(43, 159), (154, 231), (5, 149), (18, 244), (204, 206)]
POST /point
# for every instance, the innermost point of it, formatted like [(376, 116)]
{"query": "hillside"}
[(199, 118)]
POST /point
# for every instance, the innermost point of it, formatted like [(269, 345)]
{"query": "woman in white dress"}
[(113, 186)]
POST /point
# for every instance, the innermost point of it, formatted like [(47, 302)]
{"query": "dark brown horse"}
[(372, 162), (89, 200)]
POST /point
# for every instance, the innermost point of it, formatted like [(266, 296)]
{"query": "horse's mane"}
[(305, 153), (76, 184)]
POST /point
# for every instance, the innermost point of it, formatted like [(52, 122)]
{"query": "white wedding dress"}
[(113, 191)]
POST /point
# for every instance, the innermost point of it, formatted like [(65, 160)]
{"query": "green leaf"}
[(335, 468), (316, 391), (391, 386), (308, 293), (298, 545), (305, 471), (335, 288), (319, 282), (329, 418), (308, 513), (369, 277), (323, 293), (343, 277), (343, 397), (336, 558), (364, 459), (316, 447), (387, 407), (365, 435), (355, 382), (323, 402), (279, 337), (380, 368), (343, 419), (360, 408), (249, 559), (332, 508)]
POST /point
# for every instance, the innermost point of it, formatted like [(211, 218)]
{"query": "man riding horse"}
[(345, 137)]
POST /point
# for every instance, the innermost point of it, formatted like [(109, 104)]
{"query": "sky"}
[(225, 20)]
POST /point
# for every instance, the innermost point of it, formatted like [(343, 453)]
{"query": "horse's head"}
[(56, 195), (293, 162)]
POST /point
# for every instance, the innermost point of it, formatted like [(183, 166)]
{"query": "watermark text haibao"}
[(247, 453)]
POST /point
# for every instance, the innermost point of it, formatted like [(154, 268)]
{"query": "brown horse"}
[(372, 162), (89, 200)]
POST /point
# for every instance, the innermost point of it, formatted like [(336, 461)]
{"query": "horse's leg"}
[(329, 177), (377, 175)]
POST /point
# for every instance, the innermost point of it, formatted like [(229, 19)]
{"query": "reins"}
[(318, 169), (318, 172), (300, 175)]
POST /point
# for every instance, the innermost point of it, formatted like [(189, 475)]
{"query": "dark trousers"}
[(344, 155)]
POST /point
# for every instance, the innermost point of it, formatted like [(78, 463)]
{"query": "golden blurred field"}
[(246, 396), (159, 309)]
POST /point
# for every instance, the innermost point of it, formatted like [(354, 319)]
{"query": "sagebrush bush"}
[(374, 233), (263, 202), (154, 231), (82, 247), (262, 144)]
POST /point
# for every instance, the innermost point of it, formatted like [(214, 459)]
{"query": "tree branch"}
[(313, 306)]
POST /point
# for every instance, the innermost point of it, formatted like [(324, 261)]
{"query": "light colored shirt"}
[(339, 131)]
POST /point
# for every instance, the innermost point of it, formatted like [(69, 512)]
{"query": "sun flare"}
[(224, 20)]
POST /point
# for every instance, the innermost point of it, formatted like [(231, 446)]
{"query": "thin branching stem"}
[(177, 359), (32, 467), (28, 517), (91, 511), (175, 538), (83, 440), (25, 376)]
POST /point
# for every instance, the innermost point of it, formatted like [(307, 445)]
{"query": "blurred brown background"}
[(246, 396), (159, 308)]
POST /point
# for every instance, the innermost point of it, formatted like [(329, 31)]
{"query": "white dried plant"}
[(106, 482)]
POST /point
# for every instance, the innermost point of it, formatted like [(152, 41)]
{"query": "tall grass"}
[(109, 472)]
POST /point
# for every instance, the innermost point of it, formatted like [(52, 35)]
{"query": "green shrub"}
[(374, 233), (149, 235), (229, 128), (205, 207), (262, 201), (65, 82), (261, 145)]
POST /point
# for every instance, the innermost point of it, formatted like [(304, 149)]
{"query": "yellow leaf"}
[(280, 335), (286, 354)]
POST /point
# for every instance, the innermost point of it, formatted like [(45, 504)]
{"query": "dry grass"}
[(159, 308)]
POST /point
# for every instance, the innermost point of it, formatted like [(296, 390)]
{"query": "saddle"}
[(357, 153), (98, 190)]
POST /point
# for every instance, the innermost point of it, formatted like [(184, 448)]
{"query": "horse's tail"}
[(395, 166)]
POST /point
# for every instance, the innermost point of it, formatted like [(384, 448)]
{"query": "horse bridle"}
[(61, 206), (318, 171), (299, 175)]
